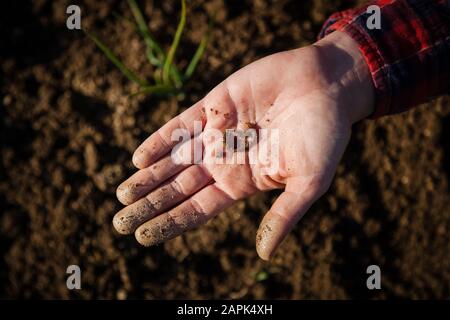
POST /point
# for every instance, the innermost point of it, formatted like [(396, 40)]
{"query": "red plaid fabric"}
[(409, 57)]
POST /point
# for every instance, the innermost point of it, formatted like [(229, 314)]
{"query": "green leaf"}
[(152, 59), (261, 276), (152, 46), (176, 40), (115, 60), (198, 53), (156, 89)]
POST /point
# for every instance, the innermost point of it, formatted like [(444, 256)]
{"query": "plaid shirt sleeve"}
[(409, 57)]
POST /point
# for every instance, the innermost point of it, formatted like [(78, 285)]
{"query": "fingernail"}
[(138, 158), (122, 194), (266, 240)]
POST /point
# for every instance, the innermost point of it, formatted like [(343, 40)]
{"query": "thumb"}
[(287, 210)]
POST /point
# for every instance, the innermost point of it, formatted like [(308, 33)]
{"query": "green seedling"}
[(261, 276), (167, 78)]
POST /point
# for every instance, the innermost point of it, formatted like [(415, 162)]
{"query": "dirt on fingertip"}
[(69, 128)]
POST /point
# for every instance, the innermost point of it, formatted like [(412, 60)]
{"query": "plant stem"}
[(157, 89), (174, 46)]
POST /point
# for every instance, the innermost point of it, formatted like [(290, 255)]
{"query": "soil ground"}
[(68, 129)]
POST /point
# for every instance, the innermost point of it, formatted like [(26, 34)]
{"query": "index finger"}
[(160, 142)]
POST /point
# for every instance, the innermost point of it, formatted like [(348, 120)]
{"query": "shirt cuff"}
[(353, 23)]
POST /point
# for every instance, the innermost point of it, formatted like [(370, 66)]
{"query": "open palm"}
[(288, 92)]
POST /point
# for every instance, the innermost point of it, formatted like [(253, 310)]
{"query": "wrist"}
[(345, 64)]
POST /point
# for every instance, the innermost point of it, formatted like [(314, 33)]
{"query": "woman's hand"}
[(310, 96)]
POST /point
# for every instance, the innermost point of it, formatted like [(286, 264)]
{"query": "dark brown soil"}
[(68, 130)]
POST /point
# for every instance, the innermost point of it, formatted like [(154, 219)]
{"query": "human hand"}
[(312, 96)]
